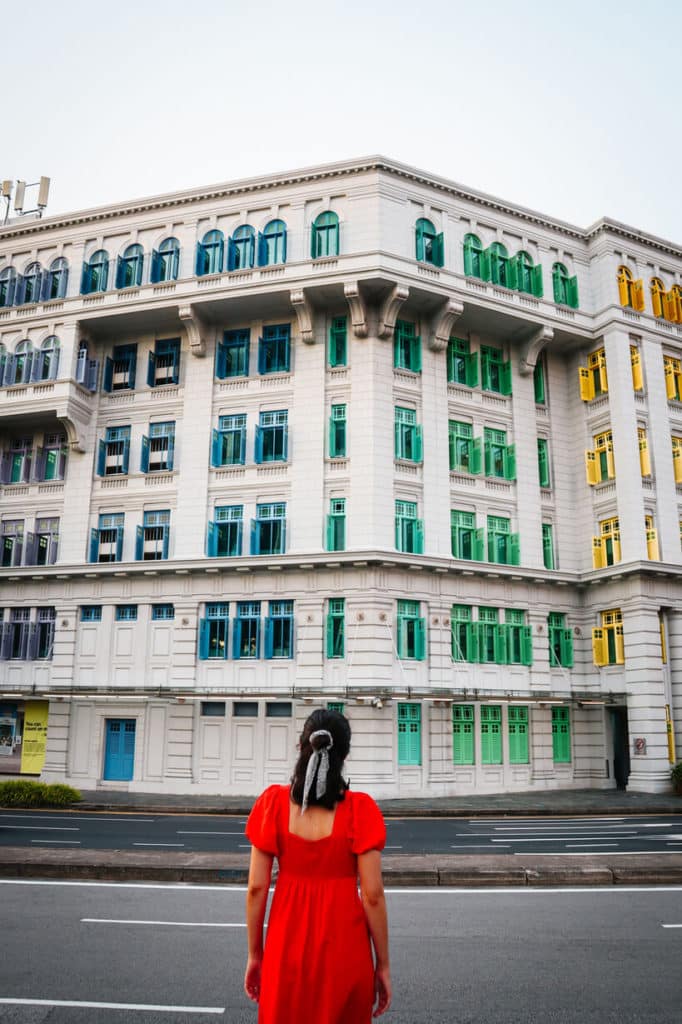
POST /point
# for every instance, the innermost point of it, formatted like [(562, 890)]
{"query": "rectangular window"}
[(126, 612), (224, 538), (499, 457), (268, 529), (114, 452), (608, 644), (407, 352), (246, 633), (213, 631), (163, 612), (491, 734), (599, 462), (12, 542), (561, 735), (491, 641), (245, 708), (279, 630), (409, 734), (464, 639), (336, 628), (91, 613), (232, 354), (677, 458), (560, 641), (548, 546), (503, 546), (50, 462), (539, 383), (228, 444), (42, 642), (213, 708), (606, 546), (119, 369), (409, 531), (272, 437), (164, 363), (518, 638), (41, 547), (16, 463), (158, 448), (593, 379), (18, 632), (106, 542), (278, 709), (543, 462), (673, 378), (644, 457), (464, 449), (338, 341), (466, 541), (462, 734), (496, 374), (274, 349), (408, 436), (337, 431), (517, 721), (462, 363), (336, 525), (411, 638), (152, 538)]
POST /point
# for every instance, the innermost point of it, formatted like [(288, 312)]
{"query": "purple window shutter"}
[(61, 465), (39, 465), (26, 467), (5, 640), (30, 549), (5, 467), (16, 551), (52, 553), (26, 629), (29, 640)]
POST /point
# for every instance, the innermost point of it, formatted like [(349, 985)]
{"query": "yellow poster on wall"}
[(35, 737)]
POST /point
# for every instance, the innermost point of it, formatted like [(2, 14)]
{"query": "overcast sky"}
[(571, 107)]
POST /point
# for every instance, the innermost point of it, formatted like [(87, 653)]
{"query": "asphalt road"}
[(225, 834), (160, 954)]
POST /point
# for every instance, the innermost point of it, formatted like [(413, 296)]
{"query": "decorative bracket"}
[(304, 313), (358, 309), (532, 347), (443, 323), (195, 328), (388, 314)]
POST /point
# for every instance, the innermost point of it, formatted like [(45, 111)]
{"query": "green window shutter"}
[(471, 371), (539, 383), (547, 545), (438, 250), (479, 545), (572, 288), (398, 440), (484, 263), (506, 378), (418, 445), (330, 632), (543, 462), (566, 648), (419, 537), (561, 736), (473, 646), (511, 271), (476, 457), (501, 637), (452, 444), (332, 438), (491, 734), (462, 734), (420, 640), (514, 549), (536, 281), (416, 360), (510, 462), (527, 645), (468, 261), (488, 459), (409, 734), (518, 735)]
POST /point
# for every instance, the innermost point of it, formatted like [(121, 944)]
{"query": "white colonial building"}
[(352, 435)]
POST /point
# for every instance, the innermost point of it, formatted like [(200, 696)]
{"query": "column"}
[(529, 513), (436, 466), (660, 450), (646, 699)]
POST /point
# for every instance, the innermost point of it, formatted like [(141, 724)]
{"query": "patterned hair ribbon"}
[(318, 763)]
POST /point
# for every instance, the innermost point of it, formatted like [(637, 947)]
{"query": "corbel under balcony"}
[(195, 327), (388, 313), (304, 314), (443, 322), (532, 347), (358, 309)]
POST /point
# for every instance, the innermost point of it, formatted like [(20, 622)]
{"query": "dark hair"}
[(338, 726)]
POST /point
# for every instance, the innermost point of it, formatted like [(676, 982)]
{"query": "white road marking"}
[(616, 853), (550, 821), (555, 839), (174, 924), (591, 846), (182, 832), (473, 846), (185, 886), (392, 847), (677, 838), (671, 926), (158, 844), (52, 817), (566, 828), (41, 828), (521, 890), (567, 831), (149, 1007), (245, 846), (62, 842)]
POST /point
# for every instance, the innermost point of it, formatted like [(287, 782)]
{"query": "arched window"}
[(29, 285), (165, 261), (210, 253), (46, 361), (3, 362), (675, 296), (524, 272), (8, 279), (272, 244), (18, 368), (57, 279), (241, 249), (630, 292), (473, 257), (324, 235), (95, 273), (129, 267), (658, 297), (499, 264), (428, 244), (565, 287)]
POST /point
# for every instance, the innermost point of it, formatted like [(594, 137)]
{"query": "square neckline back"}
[(322, 839)]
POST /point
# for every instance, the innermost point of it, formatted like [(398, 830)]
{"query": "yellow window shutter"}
[(658, 302), (623, 291), (592, 467), (652, 545), (586, 385), (638, 295), (620, 646), (597, 553), (598, 646), (677, 464), (670, 307), (669, 371), (644, 460), (616, 547), (610, 466), (603, 379), (636, 360)]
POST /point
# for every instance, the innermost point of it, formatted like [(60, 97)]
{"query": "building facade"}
[(353, 435)]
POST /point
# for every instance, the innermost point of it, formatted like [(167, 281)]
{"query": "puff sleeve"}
[(262, 824), (368, 829)]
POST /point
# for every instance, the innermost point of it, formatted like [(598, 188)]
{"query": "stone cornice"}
[(340, 169)]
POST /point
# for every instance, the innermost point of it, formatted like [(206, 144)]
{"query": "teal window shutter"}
[(514, 549), (527, 645), (548, 545), (572, 292), (536, 282), (506, 378), (409, 734), (463, 734), (543, 462), (566, 644), (144, 455), (420, 640), (204, 626), (558, 282), (438, 250), (561, 735), (491, 734), (510, 462), (539, 383)]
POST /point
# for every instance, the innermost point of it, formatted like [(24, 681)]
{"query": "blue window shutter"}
[(139, 543), (287, 358), (438, 250), (231, 254), (238, 541), (200, 264), (204, 627), (261, 355), (284, 246), (176, 363), (151, 369), (155, 268), (44, 286), (166, 539), (242, 447), (126, 454), (85, 281), (171, 451), (221, 361), (108, 374), (120, 272), (283, 538), (262, 250), (19, 290), (285, 446), (94, 546), (236, 638), (211, 540), (144, 455), (216, 448), (221, 254), (119, 543), (258, 447), (269, 629), (133, 367), (255, 537), (101, 456)]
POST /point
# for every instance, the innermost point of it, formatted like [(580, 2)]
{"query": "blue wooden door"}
[(119, 751)]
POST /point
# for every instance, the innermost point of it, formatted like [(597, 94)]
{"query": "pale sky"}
[(570, 107)]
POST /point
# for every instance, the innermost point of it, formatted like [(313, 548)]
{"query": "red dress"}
[(317, 963)]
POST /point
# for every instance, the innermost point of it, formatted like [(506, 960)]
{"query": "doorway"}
[(621, 746), (119, 749)]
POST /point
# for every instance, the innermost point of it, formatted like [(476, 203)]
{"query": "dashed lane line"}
[(141, 1007), (166, 924)]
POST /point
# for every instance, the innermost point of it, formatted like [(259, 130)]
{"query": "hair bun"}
[(321, 739)]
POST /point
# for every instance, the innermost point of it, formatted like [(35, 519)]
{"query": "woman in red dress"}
[(318, 962)]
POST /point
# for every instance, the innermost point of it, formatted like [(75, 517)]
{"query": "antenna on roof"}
[(43, 186)]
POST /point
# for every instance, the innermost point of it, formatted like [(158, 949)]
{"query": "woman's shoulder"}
[(367, 824)]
